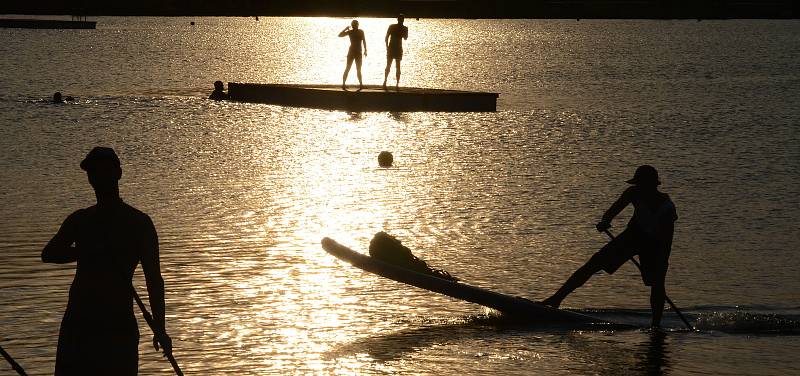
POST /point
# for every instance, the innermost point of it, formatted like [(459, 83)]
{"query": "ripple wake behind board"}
[(508, 305)]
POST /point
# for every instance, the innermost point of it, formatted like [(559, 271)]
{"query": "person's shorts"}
[(354, 54), (653, 256), (394, 53), (90, 349)]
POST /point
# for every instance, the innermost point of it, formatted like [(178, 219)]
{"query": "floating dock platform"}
[(26, 23), (371, 98)]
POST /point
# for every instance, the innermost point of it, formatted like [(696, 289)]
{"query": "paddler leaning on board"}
[(648, 234)]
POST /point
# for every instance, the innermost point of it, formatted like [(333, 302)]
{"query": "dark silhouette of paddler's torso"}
[(108, 242)]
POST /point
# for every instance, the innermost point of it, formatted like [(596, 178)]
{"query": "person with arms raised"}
[(354, 52)]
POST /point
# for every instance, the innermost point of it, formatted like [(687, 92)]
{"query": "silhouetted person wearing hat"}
[(99, 334), (219, 92), (394, 48), (649, 235), (354, 52)]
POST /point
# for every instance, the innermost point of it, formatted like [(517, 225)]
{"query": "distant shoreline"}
[(464, 9)]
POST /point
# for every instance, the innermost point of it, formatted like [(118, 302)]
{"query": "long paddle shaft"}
[(149, 319), (14, 364), (671, 304)]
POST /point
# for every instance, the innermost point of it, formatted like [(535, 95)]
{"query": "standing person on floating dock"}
[(354, 53), (394, 48), (99, 334), (649, 235)]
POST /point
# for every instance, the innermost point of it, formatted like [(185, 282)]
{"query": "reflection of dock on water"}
[(371, 98), (29, 23)]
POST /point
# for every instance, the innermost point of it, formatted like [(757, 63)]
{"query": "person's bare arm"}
[(405, 32), (344, 32), (615, 209), (364, 40), (60, 249), (155, 285), (386, 39)]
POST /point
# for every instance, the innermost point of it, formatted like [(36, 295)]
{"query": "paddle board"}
[(507, 304)]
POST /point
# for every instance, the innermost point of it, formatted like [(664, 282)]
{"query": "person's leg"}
[(654, 274), (654, 262), (609, 258), (576, 280), (347, 70), (358, 72), (386, 71), (397, 71), (657, 296)]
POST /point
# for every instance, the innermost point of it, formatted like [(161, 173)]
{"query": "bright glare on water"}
[(241, 194)]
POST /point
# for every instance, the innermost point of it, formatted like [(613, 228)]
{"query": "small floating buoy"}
[(385, 159)]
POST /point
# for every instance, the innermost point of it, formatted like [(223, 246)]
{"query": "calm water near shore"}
[(242, 194)]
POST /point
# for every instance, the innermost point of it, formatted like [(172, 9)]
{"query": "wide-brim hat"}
[(645, 175)]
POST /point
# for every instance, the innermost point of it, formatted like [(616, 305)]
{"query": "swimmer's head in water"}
[(218, 85), (354, 24), (57, 97)]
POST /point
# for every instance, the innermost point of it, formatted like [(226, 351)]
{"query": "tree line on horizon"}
[(655, 9)]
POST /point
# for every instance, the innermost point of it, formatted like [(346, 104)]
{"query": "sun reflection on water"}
[(333, 167)]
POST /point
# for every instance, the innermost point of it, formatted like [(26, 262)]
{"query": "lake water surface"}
[(242, 194)]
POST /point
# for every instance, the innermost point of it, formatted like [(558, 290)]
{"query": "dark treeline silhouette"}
[(648, 9)]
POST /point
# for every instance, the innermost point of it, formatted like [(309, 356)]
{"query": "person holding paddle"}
[(99, 334), (648, 234)]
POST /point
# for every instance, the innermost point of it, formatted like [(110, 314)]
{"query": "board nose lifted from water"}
[(507, 304)]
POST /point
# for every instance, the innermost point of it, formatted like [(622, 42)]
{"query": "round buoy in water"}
[(385, 159)]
